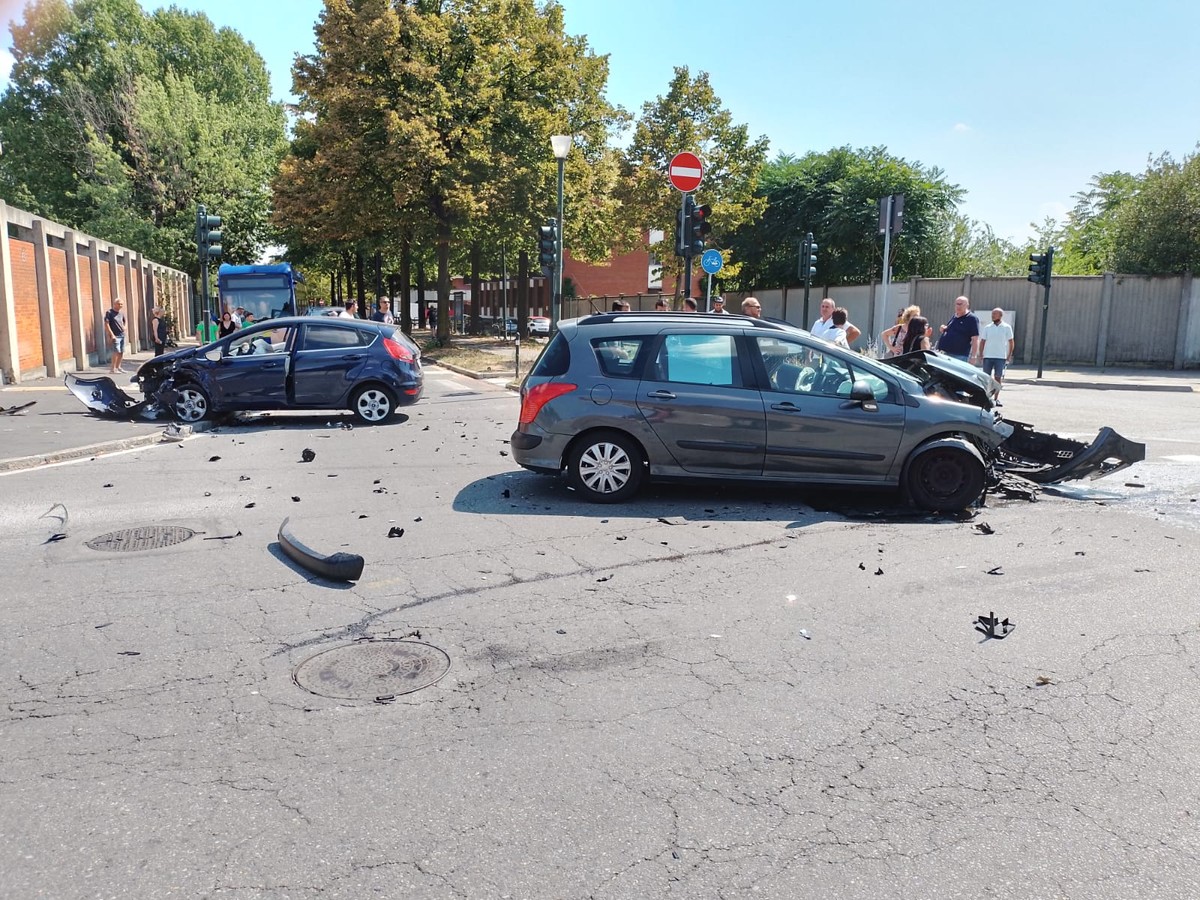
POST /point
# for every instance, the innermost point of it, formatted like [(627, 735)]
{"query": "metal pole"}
[(1045, 309), (881, 306), (687, 257), (556, 311), (708, 294), (804, 257), (504, 293)]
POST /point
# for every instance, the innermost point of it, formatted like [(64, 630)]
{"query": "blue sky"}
[(1019, 103)]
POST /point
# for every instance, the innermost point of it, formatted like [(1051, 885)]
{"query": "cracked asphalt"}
[(632, 709)]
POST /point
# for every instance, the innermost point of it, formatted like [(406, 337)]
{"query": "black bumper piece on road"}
[(336, 567), (1047, 458)]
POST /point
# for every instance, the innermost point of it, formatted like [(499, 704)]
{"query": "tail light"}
[(538, 396), (396, 350)]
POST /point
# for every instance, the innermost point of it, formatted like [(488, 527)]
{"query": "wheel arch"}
[(600, 429)]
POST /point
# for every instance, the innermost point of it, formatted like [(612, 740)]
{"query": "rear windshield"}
[(555, 359)]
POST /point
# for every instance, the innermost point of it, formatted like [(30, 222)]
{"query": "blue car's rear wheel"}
[(372, 404)]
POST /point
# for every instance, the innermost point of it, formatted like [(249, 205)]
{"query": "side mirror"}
[(861, 391), (213, 355)]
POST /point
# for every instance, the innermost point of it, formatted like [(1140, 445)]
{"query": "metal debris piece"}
[(991, 627), (307, 455), (223, 537), (13, 410)]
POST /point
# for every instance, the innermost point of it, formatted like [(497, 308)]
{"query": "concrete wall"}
[(56, 285), (1094, 320)]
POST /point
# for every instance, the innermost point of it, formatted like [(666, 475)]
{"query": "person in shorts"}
[(114, 327), (998, 344)]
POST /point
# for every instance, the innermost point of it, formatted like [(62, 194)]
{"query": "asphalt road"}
[(703, 693)]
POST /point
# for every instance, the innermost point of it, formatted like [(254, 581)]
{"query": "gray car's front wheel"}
[(372, 404), (605, 467), (191, 403), (945, 479)]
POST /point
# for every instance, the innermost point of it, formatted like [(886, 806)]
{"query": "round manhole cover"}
[(372, 670), (145, 537)]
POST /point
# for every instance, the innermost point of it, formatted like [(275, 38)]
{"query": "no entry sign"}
[(685, 172)]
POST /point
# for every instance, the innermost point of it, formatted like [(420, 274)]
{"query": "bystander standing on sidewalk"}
[(114, 327), (998, 345)]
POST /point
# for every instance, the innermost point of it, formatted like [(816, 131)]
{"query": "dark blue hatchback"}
[(293, 363)]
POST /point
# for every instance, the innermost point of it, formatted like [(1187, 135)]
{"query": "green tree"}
[(1158, 227), (963, 245), (835, 195), (430, 121), (690, 117), (118, 123)]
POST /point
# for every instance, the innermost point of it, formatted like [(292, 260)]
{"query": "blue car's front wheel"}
[(191, 403)]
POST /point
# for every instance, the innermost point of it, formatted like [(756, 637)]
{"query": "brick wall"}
[(85, 297), (25, 296), (62, 301), (628, 273)]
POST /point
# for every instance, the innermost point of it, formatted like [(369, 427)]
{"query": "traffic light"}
[(208, 237), (681, 230), (698, 226), (808, 259), (1040, 265), (548, 247)]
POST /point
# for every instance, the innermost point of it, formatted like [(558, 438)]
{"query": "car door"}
[(695, 398), (329, 357), (813, 428), (253, 369)]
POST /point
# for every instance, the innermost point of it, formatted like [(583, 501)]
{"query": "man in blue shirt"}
[(960, 336)]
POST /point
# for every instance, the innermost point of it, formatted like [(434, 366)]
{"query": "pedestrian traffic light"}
[(697, 226), (208, 237), (1040, 265), (808, 259), (548, 247)]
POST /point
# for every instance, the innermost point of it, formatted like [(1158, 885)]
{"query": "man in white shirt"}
[(348, 312), (824, 327), (998, 344)]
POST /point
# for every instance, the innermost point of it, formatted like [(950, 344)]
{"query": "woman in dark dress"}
[(228, 326)]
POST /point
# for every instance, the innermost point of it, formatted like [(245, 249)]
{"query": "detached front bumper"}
[(1047, 458)]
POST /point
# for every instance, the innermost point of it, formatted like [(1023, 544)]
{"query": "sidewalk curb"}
[(1104, 385), (72, 453), (478, 376)]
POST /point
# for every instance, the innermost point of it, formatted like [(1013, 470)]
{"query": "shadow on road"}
[(526, 494)]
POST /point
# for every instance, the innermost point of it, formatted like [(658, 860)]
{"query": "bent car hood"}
[(930, 367)]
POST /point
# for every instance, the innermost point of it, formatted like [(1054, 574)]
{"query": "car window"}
[(617, 356), (698, 359), (330, 337), (257, 343), (555, 358), (794, 367)]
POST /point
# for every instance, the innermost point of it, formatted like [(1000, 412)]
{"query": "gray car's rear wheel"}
[(191, 403), (372, 404), (945, 479), (605, 467)]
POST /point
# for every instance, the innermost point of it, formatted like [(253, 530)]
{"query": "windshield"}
[(264, 302)]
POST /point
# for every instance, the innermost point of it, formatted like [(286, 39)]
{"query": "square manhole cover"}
[(369, 670)]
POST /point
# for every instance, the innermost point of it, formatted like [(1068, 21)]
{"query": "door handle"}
[(353, 356), (785, 407), (271, 365), (661, 395)]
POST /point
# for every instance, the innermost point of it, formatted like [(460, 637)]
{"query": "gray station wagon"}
[(617, 398)]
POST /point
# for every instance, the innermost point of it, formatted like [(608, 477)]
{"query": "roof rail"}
[(606, 318)]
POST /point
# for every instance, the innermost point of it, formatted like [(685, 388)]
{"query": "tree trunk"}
[(378, 275), (348, 272), (406, 324), (523, 294), (443, 282), (476, 288), (421, 305), (361, 287)]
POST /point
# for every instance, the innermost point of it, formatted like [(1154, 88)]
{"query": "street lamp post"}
[(561, 145)]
